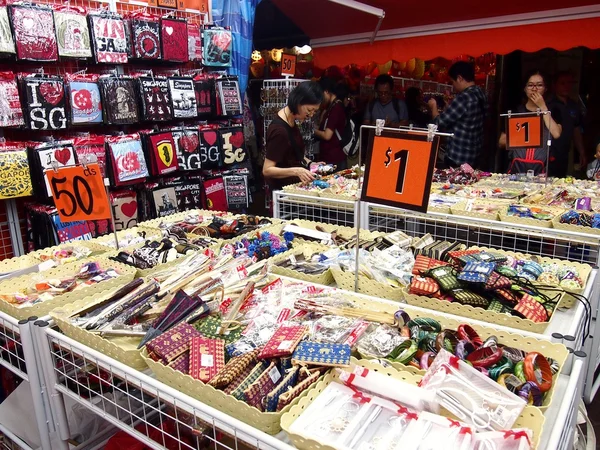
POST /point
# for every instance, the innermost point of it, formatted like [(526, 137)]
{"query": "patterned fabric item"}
[(92, 145), (258, 369), (174, 40), (531, 309), (84, 96), (497, 281), (237, 381), (187, 142), (205, 97), (183, 98), (498, 307), (45, 103), (146, 37), (194, 42), (72, 32), (181, 363), (119, 99), (424, 263), (7, 43), (470, 298), (207, 358), (423, 286), (445, 278), (264, 384), (11, 113), (34, 32), (161, 149), (155, 99), (15, 178), (283, 342), (109, 38), (288, 397), (476, 272), (272, 398), (490, 257), (322, 354), (234, 368), (506, 295), (173, 343)]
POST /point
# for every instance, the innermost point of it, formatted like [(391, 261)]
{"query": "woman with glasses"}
[(536, 159), (285, 162)]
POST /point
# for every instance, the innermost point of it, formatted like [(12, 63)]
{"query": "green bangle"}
[(426, 324), (519, 372), (504, 366), (404, 353)]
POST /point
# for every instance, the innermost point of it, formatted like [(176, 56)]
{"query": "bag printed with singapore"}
[(155, 99), (72, 32), (211, 150), (174, 39), (15, 178), (45, 102), (183, 97), (127, 162), (234, 146), (187, 147), (109, 38), (84, 97), (206, 98), (33, 27), (217, 47), (92, 144), (119, 100), (145, 33)]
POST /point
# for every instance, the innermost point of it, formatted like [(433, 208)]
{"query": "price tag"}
[(79, 193), (525, 131), (288, 64), (399, 170)]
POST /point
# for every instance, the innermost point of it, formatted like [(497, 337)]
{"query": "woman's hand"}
[(539, 101), (502, 141), (306, 176)]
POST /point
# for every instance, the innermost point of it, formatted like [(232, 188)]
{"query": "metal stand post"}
[(14, 227)]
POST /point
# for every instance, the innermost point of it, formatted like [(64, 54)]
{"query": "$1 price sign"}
[(524, 131), (399, 170), (79, 193)]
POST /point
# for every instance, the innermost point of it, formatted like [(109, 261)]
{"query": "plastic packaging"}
[(35, 36), (72, 32)]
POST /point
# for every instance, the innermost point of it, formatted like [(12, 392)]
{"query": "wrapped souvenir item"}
[(44, 157), (119, 100), (183, 97), (11, 113), (155, 99), (35, 36), (194, 42), (84, 98), (44, 102), (234, 145), (211, 149), (161, 149), (72, 32), (128, 164), (174, 39), (205, 96), (7, 43), (145, 33), (125, 209), (187, 143), (86, 146), (15, 178), (229, 96), (217, 47), (109, 38), (462, 175)]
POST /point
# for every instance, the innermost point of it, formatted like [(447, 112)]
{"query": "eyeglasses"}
[(535, 85)]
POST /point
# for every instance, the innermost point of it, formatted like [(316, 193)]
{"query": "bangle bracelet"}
[(426, 360), (447, 339), (402, 317), (427, 343), (492, 342), (553, 365), (504, 366), (404, 352), (467, 333), (464, 348), (533, 362), (485, 356), (510, 382), (514, 354), (530, 392), (425, 324), (518, 371)]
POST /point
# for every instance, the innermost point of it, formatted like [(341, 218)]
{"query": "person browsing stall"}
[(331, 126), (464, 117), (285, 162), (386, 106), (536, 159)]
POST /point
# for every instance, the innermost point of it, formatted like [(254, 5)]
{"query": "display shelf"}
[(14, 440), (138, 404), (289, 206), (11, 347)]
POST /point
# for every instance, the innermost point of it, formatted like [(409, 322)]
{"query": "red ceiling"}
[(321, 18)]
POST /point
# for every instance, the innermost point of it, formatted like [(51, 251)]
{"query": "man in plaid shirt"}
[(464, 117)]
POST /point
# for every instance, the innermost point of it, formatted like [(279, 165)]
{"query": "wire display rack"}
[(294, 206), (152, 412)]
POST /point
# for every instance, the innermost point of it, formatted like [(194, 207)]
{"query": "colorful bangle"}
[(530, 392), (510, 382), (402, 318), (447, 339), (467, 333), (514, 354), (404, 353), (503, 366), (425, 324), (405, 332), (485, 356), (464, 348), (426, 360), (519, 373), (492, 342), (532, 360), (553, 365)]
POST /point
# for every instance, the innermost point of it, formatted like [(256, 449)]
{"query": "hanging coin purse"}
[(470, 298), (445, 278), (288, 397), (264, 384), (506, 295), (507, 271), (497, 281), (489, 257), (256, 372), (234, 368), (476, 272), (531, 309)]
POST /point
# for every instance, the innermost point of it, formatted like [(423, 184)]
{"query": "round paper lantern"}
[(410, 67), (257, 69), (385, 68), (256, 56)]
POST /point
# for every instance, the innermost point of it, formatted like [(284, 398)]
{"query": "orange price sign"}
[(399, 170), (79, 193), (525, 131), (288, 64)]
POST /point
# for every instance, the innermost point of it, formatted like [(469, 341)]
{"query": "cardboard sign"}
[(79, 193), (399, 170), (525, 131), (288, 64)]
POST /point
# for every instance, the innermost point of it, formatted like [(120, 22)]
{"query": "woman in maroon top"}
[(285, 162), (331, 126)]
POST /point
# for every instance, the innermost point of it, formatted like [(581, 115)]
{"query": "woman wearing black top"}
[(285, 162)]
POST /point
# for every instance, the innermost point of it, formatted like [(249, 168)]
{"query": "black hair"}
[(342, 91), (384, 79), (327, 84), (562, 73), (306, 93), (533, 72), (411, 97), (462, 69)]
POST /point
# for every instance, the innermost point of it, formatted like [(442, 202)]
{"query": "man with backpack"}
[(386, 106), (330, 128)]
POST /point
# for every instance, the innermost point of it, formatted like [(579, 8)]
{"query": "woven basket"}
[(504, 217), (122, 349), (178, 217), (531, 418), (325, 278), (574, 228), (108, 241), (295, 189), (460, 209), (345, 232), (126, 274), (346, 280), (268, 422)]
